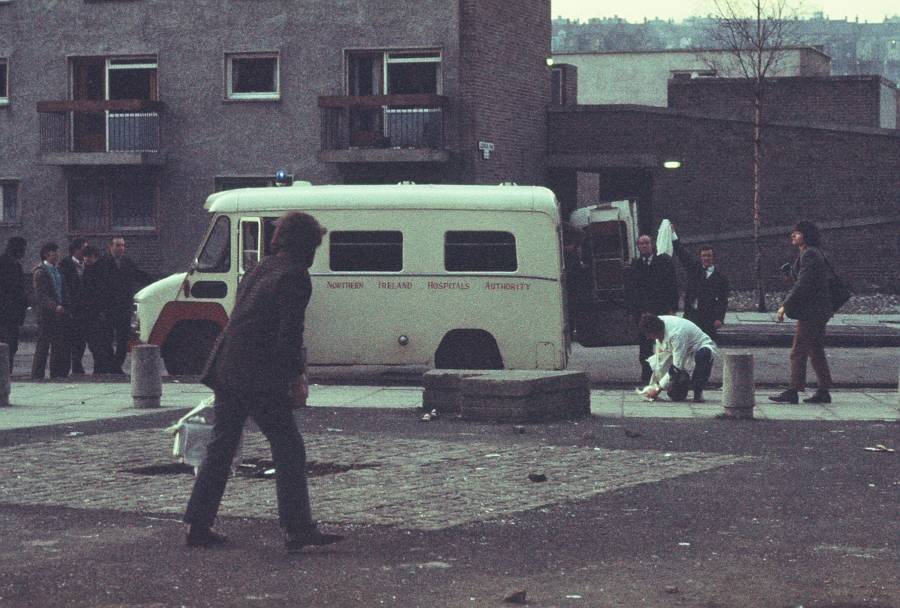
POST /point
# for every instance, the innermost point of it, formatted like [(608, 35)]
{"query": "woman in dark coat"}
[(809, 303)]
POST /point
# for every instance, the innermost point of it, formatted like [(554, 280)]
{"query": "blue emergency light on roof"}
[(281, 177)]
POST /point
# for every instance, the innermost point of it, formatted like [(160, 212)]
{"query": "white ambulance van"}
[(437, 275)]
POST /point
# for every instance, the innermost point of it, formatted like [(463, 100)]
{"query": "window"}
[(247, 181), (367, 251), (480, 251), (4, 81), (250, 245), (9, 200), (112, 202), (252, 76), (216, 253), (557, 87)]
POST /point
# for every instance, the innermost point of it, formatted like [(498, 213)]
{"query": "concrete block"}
[(443, 389), (737, 386), (525, 396)]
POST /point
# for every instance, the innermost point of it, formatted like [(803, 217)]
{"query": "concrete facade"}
[(641, 77), (207, 135)]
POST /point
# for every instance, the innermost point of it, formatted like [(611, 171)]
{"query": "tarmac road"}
[(657, 513)]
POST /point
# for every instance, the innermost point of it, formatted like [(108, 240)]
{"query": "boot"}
[(788, 396), (820, 396)]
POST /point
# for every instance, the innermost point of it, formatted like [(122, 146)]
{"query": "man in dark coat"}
[(13, 297), (72, 270), (706, 295), (253, 369), (121, 279), (809, 302), (650, 286), (49, 296), (97, 331)]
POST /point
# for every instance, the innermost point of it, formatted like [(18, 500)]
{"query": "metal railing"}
[(128, 125), (383, 121)]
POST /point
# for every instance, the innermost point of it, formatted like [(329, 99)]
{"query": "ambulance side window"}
[(366, 250), (480, 251), (216, 253), (250, 251)]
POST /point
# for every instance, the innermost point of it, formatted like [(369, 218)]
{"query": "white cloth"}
[(664, 237), (680, 343)]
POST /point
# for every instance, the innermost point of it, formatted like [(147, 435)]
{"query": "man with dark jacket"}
[(706, 295), (13, 298), (49, 296), (72, 270), (650, 286), (253, 369), (96, 327), (121, 278)]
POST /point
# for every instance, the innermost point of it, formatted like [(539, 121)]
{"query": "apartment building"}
[(121, 116)]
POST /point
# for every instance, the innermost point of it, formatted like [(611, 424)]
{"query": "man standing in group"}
[(256, 363), (96, 327), (13, 298), (49, 295), (72, 270), (706, 295), (650, 287), (121, 278)]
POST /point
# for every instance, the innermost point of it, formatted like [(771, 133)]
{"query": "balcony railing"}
[(383, 122), (128, 125)]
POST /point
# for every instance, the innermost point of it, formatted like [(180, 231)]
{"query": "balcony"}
[(90, 133), (384, 129)]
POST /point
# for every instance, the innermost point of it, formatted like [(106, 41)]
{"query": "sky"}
[(636, 10)]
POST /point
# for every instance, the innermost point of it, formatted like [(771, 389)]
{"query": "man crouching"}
[(679, 346)]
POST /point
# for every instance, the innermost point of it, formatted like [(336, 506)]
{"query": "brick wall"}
[(843, 179), (845, 100), (504, 89)]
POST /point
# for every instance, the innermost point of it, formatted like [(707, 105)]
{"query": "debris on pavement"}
[(537, 477), (519, 429), (632, 434), (671, 589), (430, 416), (516, 597), (880, 448), (74, 434)]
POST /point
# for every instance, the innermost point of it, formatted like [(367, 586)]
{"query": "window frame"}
[(449, 246), (387, 244), (107, 226), (209, 233), (4, 82), (15, 184), (231, 95)]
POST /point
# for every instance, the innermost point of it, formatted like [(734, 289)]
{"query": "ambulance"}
[(447, 276)]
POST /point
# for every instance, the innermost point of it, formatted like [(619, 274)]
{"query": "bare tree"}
[(754, 34)]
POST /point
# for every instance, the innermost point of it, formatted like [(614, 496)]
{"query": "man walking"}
[(706, 295), (255, 365), (650, 287), (72, 270), (49, 295), (121, 280), (13, 298)]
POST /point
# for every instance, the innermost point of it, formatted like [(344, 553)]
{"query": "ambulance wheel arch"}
[(186, 332), (468, 349)]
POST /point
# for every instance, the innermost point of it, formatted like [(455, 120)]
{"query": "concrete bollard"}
[(4, 374), (146, 380), (737, 386)]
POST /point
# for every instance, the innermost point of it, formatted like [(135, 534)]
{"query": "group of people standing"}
[(691, 342), (82, 300)]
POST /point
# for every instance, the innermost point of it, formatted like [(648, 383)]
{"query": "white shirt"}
[(79, 266), (709, 271), (681, 342)]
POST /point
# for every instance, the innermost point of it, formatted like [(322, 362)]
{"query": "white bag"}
[(193, 432)]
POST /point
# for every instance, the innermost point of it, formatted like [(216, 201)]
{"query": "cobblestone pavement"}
[(414, 484)]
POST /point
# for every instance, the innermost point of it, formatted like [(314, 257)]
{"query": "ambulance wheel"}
[(187, 348), (468, 349)]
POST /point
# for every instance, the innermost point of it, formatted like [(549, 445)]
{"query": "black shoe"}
[(820, 396), (78, 371), (788, 396), (204, 537), (296, 542), (698, 397)]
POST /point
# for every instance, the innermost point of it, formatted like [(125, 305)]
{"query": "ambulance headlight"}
[(135, 320)]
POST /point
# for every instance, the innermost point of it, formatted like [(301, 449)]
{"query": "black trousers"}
[(75, 336), (99, 340), (51, 340), (9, 334), (275, 419), (702, 369), (645, 350), (120, 323)]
